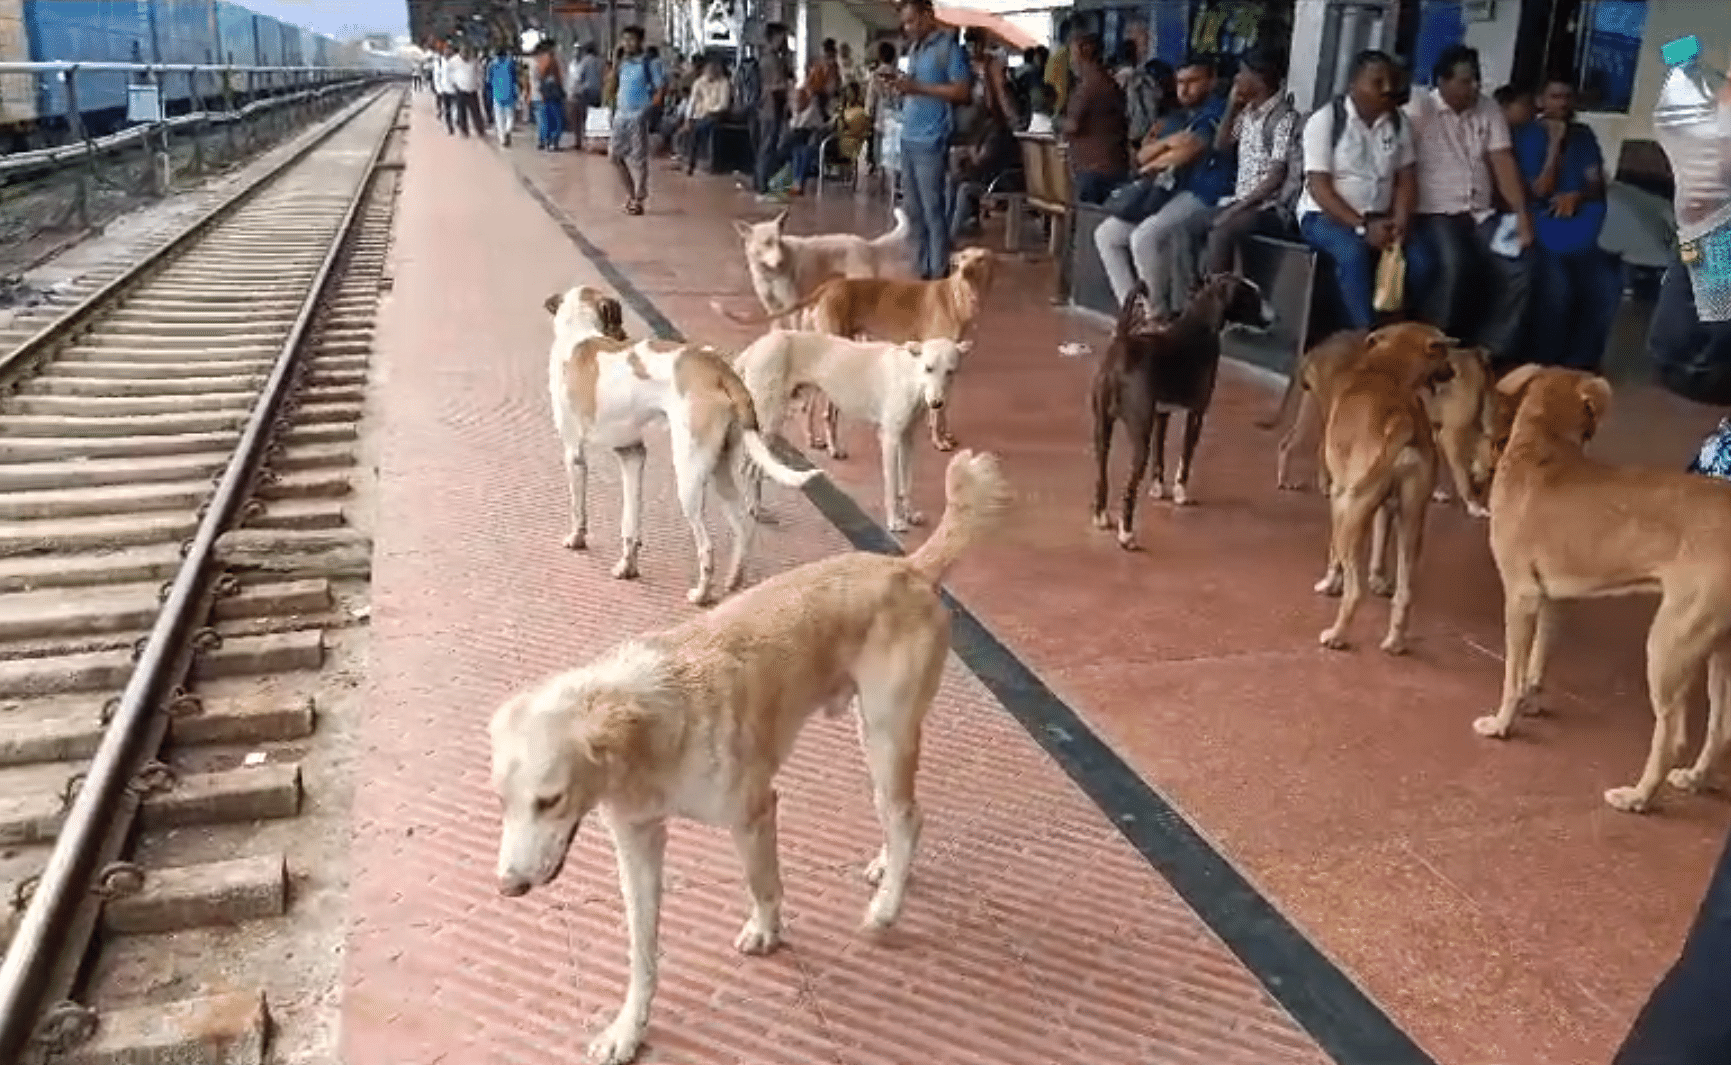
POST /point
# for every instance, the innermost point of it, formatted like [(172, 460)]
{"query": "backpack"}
[(1142, 97), (747, 85)]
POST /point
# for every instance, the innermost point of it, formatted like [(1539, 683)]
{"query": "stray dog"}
[(1380, 453), (606, 390), (1565, 526), (786, 268), (696, 720), (1154, 368), (1462, 410), (884, 384), (898, 311)]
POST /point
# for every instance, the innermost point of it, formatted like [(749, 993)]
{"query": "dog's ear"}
[(552, 303), (743, 227), (1596, 398), (612, 315), (1514, 383), (780, 220), (608, 733)]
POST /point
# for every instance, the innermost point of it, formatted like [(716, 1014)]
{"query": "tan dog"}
[(1312, 384), (695, 722), (884, 384), (1379, 453), (899, 311), (606, 391), (1565, 526)]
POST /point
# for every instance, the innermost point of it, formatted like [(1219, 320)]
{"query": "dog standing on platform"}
[(884, 384), (606, 390), (1565, 526), (898, 311), (1380, 454), (695, 722), (1153, 368)]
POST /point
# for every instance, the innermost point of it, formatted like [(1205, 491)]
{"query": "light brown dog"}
[(1380, 453), (1312, 384), (1565, 526), (695, 722), (898, 311)]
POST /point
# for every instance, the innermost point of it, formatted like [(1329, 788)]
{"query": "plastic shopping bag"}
[(1390, 281)]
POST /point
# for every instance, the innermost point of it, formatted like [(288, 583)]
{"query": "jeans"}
[(925, 174), (1094, 188), (1231, 228), (550, 123), (1353, 262), (1575, 301), (1691, 358), (701, 143), (1161, 250), (1685, 1021), (1462, 287), (576, 117), (768, 123)]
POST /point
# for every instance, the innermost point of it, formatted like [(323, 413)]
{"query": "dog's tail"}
[(1294, 385), (767, 318), (896, 235), (975, 497), (751, 434)]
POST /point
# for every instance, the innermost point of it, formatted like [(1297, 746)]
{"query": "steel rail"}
[(69, 874)]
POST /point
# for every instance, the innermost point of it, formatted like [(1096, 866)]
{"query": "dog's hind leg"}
[(736, 511), (1412, 507), (1523, 605), (640, 850), (1351, 514), (631, 460), (1678, 647), (577, 473), (831, 417), (1140, 425), (1104, 419), (1181, 479), (755, 840), (1379, 541), (1718, 735), (1307, 406), (691, 474), (895, 691), (1157, 481), (890, 444)]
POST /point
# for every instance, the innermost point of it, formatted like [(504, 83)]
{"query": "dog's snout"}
[(513, 886), (937, 404)]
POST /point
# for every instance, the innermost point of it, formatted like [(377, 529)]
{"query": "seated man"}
[(1359, 186), (1162, 248), (1577, 286), (993, 152), (1462, 143), (1262, 125)]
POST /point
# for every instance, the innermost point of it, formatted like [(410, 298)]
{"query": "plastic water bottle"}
[(1694, 128)]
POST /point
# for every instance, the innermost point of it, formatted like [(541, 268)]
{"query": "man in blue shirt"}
[(1162, 248), (502, 87), (640, 85), (1577, 286), (937, 81)]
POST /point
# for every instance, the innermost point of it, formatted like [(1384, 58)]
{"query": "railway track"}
[(183, 556)]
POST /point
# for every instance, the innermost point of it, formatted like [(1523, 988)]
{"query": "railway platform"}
[(1161, 824)]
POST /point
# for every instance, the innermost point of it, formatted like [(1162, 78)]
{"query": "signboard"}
[(144, 102)]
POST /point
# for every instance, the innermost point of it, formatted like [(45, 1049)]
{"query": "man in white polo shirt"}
[(1360, 185)]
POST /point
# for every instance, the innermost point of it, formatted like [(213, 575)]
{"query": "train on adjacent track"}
[(33, 107)]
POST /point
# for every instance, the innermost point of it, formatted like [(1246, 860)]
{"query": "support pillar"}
[(801, 41), (1326, 34)]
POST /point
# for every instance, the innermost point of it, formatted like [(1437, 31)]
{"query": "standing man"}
[(502, 87), (465, 91), (583, 82), (938, 79), (769, 121), (442, 98), (640, 85), (1462, 144)]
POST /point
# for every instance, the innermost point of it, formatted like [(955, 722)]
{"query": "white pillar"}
[(801, 43)]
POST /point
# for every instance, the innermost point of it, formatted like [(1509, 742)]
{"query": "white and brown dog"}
[(878, 382), (606, 391)]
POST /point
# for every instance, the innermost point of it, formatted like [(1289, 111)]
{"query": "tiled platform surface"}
[(1481, 891), (1034, 934)]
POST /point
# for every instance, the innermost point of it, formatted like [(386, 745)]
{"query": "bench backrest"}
[(1046, 173)]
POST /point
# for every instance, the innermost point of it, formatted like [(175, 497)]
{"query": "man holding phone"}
[(938, 79)]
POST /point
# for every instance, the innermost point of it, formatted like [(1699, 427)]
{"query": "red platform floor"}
[(1389, 872)]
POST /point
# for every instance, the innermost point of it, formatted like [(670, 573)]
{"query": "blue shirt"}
[(639, 77), (1580, 155), (937, 60), (502, 81), (1213, 174)]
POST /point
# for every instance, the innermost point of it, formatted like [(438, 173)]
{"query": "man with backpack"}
[(1360, 182), (769, 116), (938, 80), (1261, 126), (641, 82)]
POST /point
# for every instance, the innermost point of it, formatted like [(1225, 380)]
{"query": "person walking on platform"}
[(938, 80), (640, 86), (465, 92), (583, 89), (502, 88), (443, 101), (550, 89)]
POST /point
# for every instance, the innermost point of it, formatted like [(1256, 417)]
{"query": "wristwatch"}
[(1360, 229)]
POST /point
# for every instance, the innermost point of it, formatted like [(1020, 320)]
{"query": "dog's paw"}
[(1491, 727), (1181, 495), (880, 913), (755, 939), (618, 1044), (1439, 495), (1329, 585), (699, 596), (1478, 510), (897, 524), (874, 870), (1288, 486), (1394, 645), (1687, 779), (1628, 800), (837, 451), (1102, 520), (577, 541), (1380, 585), (914, 517), (625, 569), (1127, 540), (1333, 639), (1157, 489), (944, 443)]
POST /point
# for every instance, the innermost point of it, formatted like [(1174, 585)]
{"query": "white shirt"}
[(1454, 173), (441, 76), (462, 74), (1363, 163), (710, 96)]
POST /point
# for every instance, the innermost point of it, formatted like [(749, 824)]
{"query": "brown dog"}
[(1312, 384), (1379, 452), (1463, 416), (898, 311), (1564, 526)]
